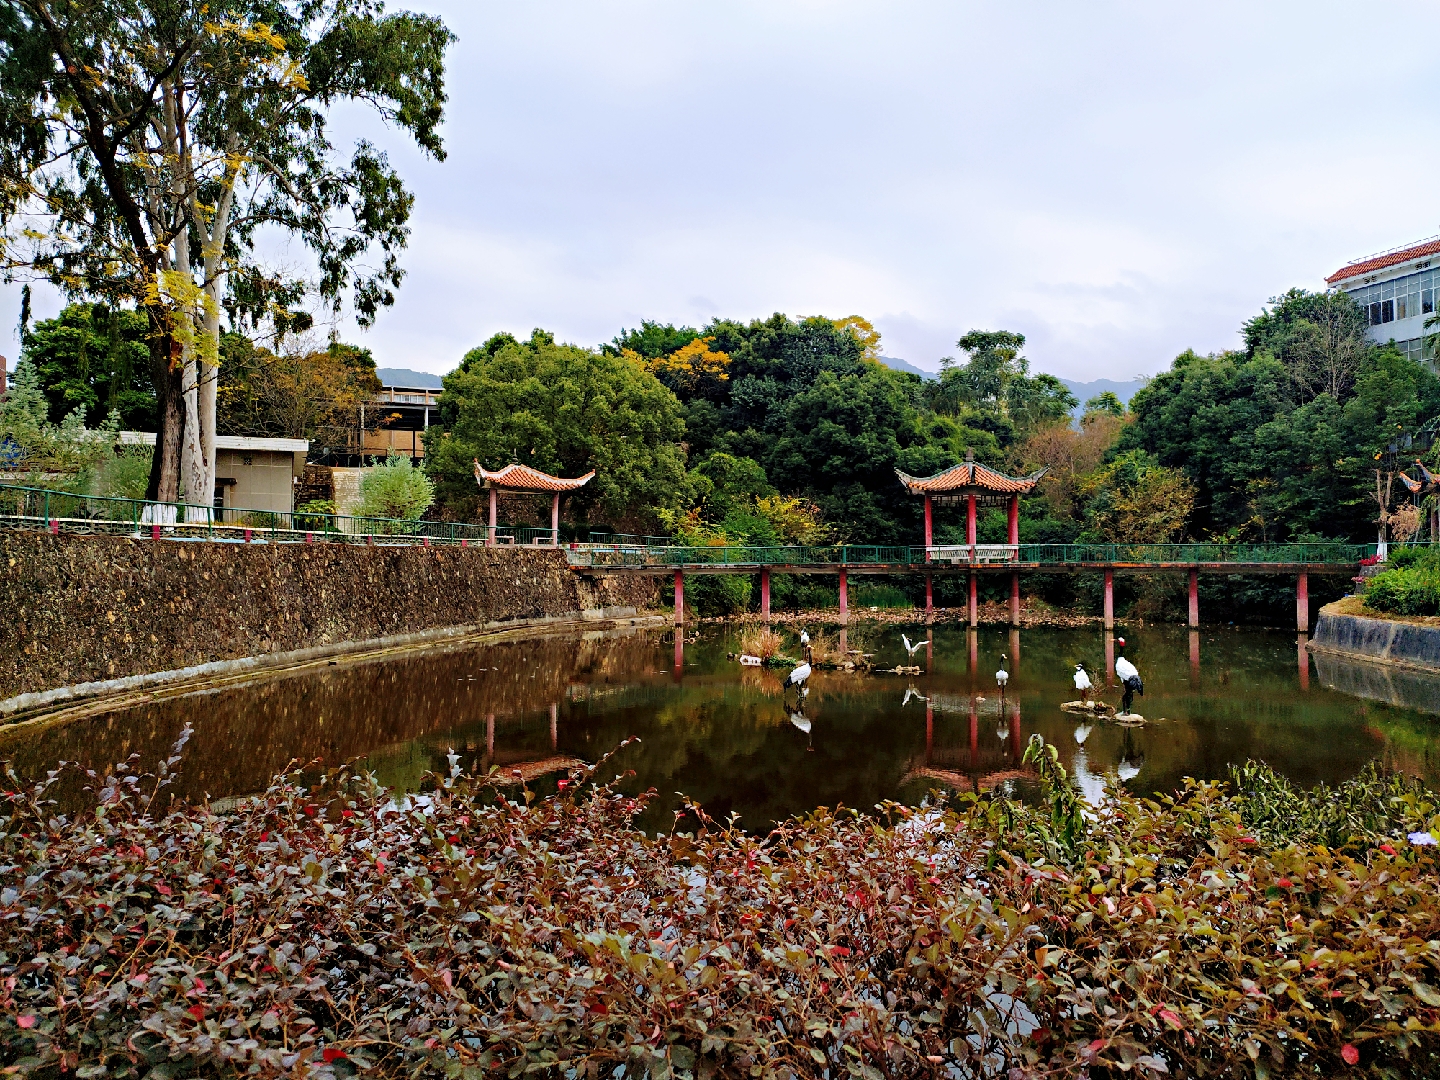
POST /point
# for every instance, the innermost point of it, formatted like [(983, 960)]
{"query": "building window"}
[(1427, 301), (1387, 314)]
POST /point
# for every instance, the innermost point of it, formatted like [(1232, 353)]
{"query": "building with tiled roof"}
[(956, 484), (1397, 289)]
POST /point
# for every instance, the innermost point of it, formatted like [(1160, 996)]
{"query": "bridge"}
[(976, 560)]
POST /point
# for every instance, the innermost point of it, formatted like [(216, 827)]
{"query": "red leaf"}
[(1350, 1054), (1388, 851), (163, 890), (1285, 883), (840, 950), (1171, 1018), (331, 1054), (197, 1011), (1246, 840), (26, 1021)]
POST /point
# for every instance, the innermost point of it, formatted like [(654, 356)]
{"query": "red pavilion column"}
[(929, 522), (490, 536), (555, 520), (970, 523), (1014, 541)]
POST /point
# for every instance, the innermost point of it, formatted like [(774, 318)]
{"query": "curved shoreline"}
[(1376, 639)]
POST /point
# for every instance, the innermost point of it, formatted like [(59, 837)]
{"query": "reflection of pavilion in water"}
[(991, 755)]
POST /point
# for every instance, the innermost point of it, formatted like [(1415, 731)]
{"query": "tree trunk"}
[(164, 483)]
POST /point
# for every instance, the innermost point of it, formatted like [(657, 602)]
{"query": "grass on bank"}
[(327, 928)]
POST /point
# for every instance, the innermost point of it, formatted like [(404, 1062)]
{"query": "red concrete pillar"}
[(1194, 598), (54, 526), (974, 610), (970, 523), (765, 594), (929, 523), (1015, 598), (247, 535), (1302, 603), (555, 520), (844, 596), (1014, 533), (1109, 599), (679, 597), (310, 538), (494, 518)]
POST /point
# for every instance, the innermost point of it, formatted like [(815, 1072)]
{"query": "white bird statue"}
[(797, 677), (1001, 678), (1082, 682), (1082, 733), (804, 638), (911, 649), (1129, 677)]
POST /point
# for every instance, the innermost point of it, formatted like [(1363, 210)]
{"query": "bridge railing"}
[(1060, 555)]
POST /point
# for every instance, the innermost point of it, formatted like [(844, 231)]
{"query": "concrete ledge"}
[(1385, 641), (14, 708)]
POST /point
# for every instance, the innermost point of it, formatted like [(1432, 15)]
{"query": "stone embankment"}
[(97, 610), (1347, 628)]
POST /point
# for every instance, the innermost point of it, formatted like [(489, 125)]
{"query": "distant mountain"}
[(400, 376), (902, 365), (1087, 390)]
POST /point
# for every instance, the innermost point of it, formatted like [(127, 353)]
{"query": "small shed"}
[(251, 473)]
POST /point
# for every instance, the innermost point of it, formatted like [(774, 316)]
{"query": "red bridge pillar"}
[(844, 597), (1194, 598), (679, 598), (1109, 599), (765, 594), (1302, 603)]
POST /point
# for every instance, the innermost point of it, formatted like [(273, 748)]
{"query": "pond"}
[(726, 736)]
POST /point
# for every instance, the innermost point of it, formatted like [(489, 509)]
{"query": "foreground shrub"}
[(324, 928), (1412, 590)]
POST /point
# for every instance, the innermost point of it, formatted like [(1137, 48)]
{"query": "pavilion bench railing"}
[(39, 509)]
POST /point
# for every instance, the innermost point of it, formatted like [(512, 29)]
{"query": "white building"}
[(1397, 289)]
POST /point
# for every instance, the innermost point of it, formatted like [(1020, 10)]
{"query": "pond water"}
[(725, 736)]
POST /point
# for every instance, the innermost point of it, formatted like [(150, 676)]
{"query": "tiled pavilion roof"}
[(970, 478), (517, 477)]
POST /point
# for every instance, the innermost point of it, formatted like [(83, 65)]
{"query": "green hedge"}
[(1413, 590)]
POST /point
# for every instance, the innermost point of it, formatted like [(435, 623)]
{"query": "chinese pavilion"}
[(974, 485), (523, 480)]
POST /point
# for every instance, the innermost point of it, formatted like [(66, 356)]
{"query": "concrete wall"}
[(263, 479), (82, 609), (1383, 640)]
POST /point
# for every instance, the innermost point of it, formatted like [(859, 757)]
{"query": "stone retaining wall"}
[(1385, 640), (82, 609)]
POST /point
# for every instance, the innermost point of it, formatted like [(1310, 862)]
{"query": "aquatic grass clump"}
[(761, 641), (326, 928)]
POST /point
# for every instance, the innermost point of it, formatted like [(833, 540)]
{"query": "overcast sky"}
[(1117, 181)]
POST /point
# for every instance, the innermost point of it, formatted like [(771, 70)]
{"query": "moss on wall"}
[(88, 608)]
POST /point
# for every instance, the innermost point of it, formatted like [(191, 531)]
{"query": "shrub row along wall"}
[(89, 608)]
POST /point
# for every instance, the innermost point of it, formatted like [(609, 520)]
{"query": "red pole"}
[(247, 535), (494, 520), (974, 601), (154, 532), (1195, 657), (1194, 597), (555, 520), (970, 523), (54, 526), (1015, 598), (1302, 603), (844, 596), (309, 537), (928, 523), (679, 598), (1109, 599), (765, 594), (929, 595), (1304, 658), (1014, 533)]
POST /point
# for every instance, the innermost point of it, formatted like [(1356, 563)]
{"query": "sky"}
[(1116, 181)]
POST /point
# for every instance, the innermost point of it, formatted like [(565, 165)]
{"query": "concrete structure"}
[(251, 473), (1397, 289)]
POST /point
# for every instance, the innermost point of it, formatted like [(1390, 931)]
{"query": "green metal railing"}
[(43, 508), (1059, 555)]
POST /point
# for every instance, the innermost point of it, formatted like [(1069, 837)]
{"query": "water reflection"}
[(732, 738)]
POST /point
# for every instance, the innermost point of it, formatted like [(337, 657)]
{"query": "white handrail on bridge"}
[(970, 553)]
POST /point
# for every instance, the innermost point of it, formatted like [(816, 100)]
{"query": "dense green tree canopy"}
[(95, 357), (564, 410)]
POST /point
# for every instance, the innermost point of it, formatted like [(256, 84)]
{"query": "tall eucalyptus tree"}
[(147, 145)]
